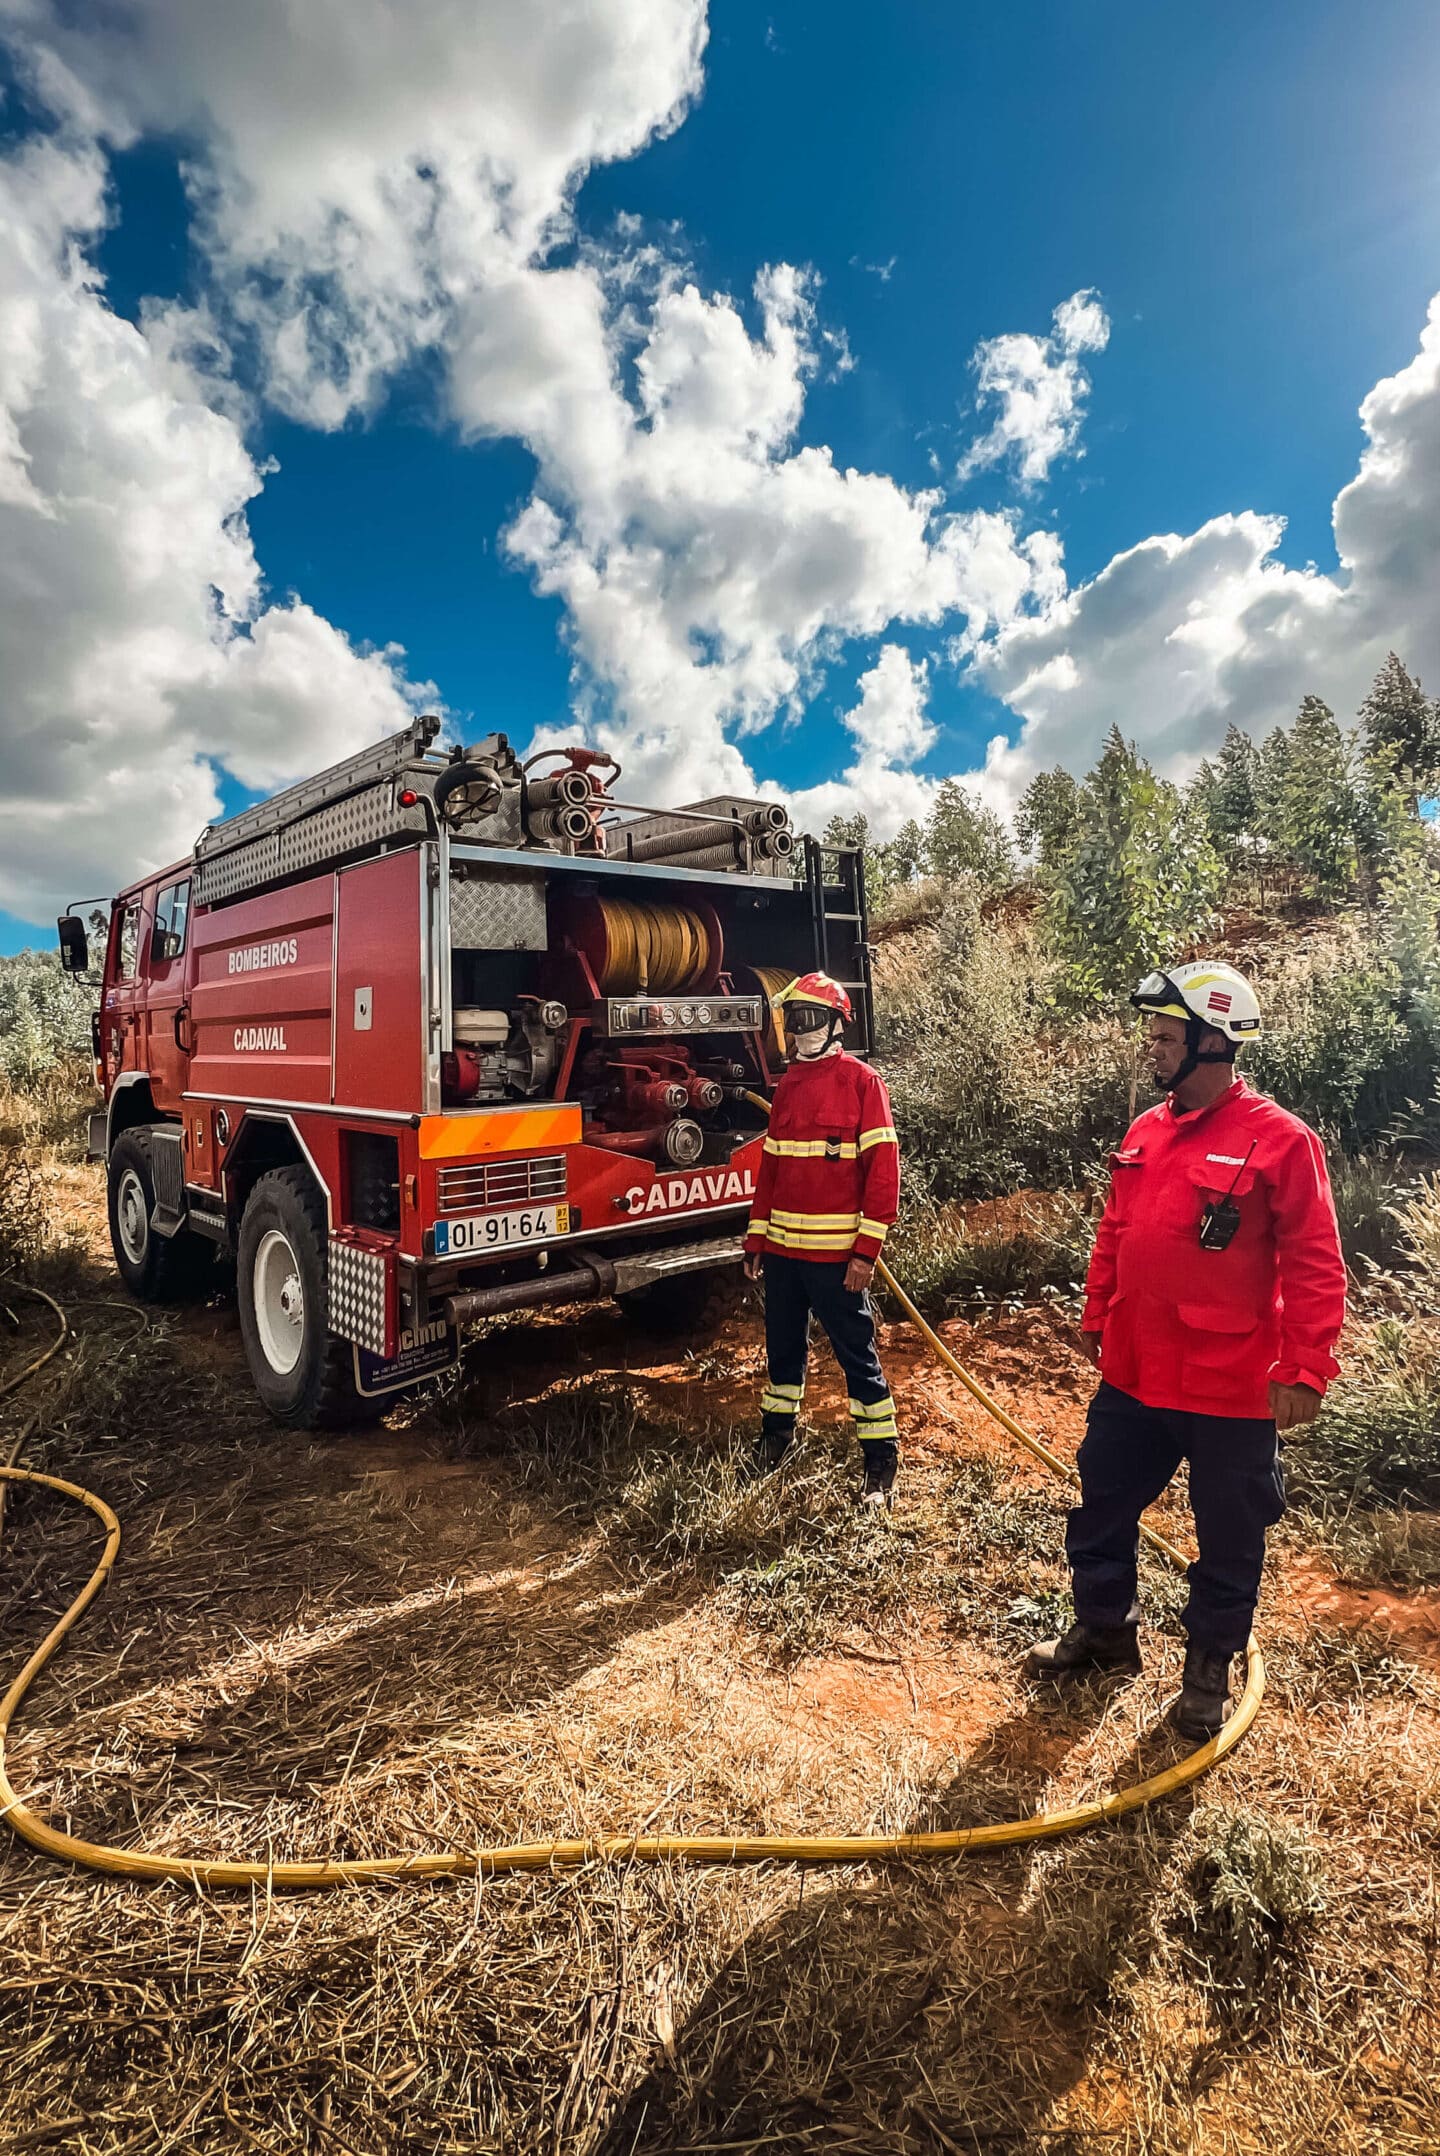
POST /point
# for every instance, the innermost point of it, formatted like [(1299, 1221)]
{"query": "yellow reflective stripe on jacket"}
[(812, 1238), (877, 1137), (875, 1228), (757, 1227), (841, 1239), (813, 1148), (816, 1220)]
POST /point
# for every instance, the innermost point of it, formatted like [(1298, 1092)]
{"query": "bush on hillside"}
[(1369, 1190), (1038, 1244), (1337, 1048), (990, 1091), (44, 1016)]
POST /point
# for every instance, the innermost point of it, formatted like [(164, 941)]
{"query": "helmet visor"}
[(1157, 993), (806, 1017)]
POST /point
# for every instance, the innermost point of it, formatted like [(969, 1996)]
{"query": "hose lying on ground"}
[(644, 1848)]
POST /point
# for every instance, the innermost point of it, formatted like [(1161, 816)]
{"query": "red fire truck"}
[(436, 1035)]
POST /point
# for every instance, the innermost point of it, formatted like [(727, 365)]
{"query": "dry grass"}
[(546, 1604)]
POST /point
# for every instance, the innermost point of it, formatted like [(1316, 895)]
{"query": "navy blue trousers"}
[(795, 1290), (1129, 1456)]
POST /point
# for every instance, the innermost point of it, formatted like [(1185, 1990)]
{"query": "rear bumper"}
[(588, 1274)]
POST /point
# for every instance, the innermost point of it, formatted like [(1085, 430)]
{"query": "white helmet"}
[(1207, 992)]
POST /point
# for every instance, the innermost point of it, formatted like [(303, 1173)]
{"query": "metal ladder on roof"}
[(835, 877), (344, 811)]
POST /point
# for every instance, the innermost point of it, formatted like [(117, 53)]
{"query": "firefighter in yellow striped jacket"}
[(828, 1189)]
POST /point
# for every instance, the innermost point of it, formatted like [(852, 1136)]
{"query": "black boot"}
[(1084, 1648), (882, 1464), (771, 1447), (1204, 1705)]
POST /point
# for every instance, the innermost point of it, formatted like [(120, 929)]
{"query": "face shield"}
[(810, 1027)]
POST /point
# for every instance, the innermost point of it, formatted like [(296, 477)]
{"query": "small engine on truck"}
[(437, 1035)]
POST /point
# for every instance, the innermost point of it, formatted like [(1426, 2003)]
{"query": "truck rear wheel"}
[(688, 1305), (155, 1268), (303, 1372)]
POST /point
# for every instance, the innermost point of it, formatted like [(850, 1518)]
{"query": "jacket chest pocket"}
[(1222, 1204), (1126, 1173)]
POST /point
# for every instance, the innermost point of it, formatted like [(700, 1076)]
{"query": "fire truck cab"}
[(436, 1035)]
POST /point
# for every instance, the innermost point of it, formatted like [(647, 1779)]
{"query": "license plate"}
[(500, 1231)]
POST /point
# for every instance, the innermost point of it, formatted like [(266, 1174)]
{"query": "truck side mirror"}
[(74, 950)]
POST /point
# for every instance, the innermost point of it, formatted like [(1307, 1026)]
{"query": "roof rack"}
[(386, 795), (344, 811)]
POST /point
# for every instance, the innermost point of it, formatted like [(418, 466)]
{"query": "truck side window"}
[(172, 912), (130, 942)]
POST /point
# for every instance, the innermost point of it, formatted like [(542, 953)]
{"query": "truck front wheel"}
[(155, 1268), (303, 1372)]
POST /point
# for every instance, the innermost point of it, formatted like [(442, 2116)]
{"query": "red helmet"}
[(816, 988)]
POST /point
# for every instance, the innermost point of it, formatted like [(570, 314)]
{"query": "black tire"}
[(304, 1373), (155, 1268), (688, 1305)]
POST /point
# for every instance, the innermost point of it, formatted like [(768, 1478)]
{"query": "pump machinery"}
[(440, 1034)]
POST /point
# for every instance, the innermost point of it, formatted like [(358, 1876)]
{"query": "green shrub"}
[(941, 1256), (1417, 1222), (1337, 1049), (1257, 1891), (1377, 1438), (26, 1223), (1369, 1191), (1385, 1549), (991, 1091), (44, 1017)]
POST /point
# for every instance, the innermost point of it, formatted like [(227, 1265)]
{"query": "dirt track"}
[(539, 1604)]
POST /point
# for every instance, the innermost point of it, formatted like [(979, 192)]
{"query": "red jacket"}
[(829, 1183), (1208, 1330)]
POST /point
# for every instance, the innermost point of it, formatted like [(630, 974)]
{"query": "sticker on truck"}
[(500, 1231), (422, 1352)]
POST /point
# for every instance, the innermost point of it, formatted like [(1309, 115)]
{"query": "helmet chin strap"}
[(1195, 1055)]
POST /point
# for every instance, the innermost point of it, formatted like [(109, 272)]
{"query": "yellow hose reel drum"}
[(646, 947)]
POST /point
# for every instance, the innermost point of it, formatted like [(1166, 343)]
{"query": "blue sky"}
[(1252, 193)]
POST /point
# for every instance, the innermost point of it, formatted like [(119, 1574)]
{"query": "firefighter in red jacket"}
[(1214, 1300), (828, 1189)]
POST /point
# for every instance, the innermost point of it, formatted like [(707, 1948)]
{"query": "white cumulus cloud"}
[(892, 731), (706, 562), (1181, 635), (360, 171), (372, 185), (1040, 388), (137, 647)]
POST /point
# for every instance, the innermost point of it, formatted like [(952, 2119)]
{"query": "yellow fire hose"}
[(538, 1856)]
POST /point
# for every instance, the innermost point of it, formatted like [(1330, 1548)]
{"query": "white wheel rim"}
[(279, 1300), (132, 1217)]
